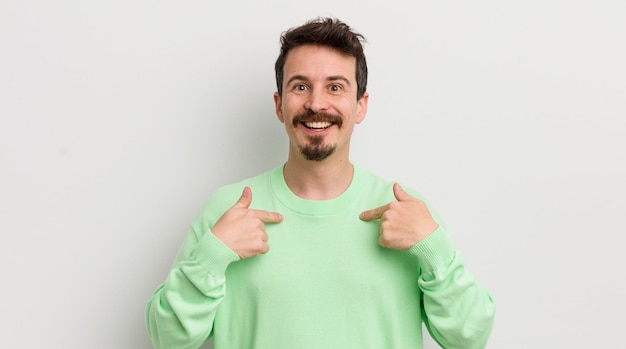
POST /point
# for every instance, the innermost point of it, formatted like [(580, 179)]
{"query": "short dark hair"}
[(329, 32)]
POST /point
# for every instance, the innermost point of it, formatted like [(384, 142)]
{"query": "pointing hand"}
[(403, 223), (243, 229)]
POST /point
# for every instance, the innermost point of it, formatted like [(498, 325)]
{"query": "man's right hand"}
[(243, 229)]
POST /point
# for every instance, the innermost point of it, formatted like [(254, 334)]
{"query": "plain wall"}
[(118, 119)]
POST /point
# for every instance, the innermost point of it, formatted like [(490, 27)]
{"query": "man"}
[(355, 261)]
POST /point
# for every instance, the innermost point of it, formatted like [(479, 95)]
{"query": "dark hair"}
[(329, 32)]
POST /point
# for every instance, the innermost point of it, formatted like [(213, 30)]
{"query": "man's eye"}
[(335, 88), (300, 87)]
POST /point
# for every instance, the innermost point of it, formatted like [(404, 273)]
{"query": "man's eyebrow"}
[(339, 78), (296, 77)]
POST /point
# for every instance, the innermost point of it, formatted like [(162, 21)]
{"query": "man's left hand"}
[(403, 223)]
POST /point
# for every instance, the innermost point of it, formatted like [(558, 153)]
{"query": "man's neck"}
[(318, 180)]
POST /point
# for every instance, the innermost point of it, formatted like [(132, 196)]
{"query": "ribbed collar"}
[(316, 207)]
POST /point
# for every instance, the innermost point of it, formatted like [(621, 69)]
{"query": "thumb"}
[(400, 194), (245, 199)]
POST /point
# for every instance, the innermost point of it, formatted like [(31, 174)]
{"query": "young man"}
[(356, 261)]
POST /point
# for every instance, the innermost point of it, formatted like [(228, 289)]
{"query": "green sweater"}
[(325, 283)]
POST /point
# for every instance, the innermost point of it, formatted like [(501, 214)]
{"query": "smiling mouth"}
[(317, 125), (317, 121)]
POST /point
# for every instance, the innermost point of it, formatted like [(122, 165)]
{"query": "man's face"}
[(318, 105)]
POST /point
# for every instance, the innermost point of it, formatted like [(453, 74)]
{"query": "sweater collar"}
[(315, 207)]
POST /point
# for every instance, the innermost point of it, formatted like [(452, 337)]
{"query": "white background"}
[(120, 118)]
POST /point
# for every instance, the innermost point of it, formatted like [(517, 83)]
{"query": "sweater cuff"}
[(435, 252), (213, 255)]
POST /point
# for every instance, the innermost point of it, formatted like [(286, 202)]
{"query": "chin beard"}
[(316, 151)]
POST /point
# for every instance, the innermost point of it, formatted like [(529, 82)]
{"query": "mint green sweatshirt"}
[(325, 283)]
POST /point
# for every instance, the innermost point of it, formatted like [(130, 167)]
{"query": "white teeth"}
[(317, 125)]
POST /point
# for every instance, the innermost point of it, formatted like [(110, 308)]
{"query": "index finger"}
[(268, 217), (375, 213)]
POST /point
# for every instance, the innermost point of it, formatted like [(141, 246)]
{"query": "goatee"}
[(316, 150)]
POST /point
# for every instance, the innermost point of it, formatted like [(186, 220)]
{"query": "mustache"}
[(311, 116)]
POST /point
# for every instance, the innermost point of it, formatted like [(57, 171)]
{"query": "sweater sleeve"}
[(457, 311), (181, 311)]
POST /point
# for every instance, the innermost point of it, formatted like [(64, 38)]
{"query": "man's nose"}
[(317, 101)]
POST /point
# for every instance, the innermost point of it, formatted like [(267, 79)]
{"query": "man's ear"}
[(278, 104), (361, 108)]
